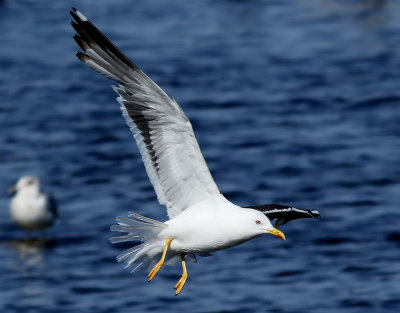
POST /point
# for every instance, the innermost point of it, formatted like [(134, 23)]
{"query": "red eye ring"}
[(258, 222)]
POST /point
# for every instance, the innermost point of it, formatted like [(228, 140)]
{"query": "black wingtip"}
[(82, 56), (78, 16), (74, 11), (284, 213), (82, 44), (73, 14), (280, 221)]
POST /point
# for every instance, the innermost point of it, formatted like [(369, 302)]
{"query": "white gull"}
[(201, 220), (30, 208)]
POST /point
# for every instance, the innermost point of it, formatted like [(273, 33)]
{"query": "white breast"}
[(31, 212), (209, 226)]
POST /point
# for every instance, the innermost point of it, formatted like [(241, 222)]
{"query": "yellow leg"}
[(160, 263), (184, 277)]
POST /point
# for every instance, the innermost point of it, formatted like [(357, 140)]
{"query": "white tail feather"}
[(143, 229)]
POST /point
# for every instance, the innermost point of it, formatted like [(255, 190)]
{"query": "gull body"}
[(195, 232), (30, 208), (201, 220), (210, 225)]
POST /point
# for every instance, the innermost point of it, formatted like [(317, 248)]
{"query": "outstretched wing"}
[(162, 131), (284, 213)]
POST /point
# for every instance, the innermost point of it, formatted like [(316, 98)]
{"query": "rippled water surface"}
[(293, 102)]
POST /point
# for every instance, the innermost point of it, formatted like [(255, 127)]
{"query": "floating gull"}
[(201, 220), (31, 209)]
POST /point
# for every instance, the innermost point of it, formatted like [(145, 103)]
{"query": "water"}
[(294, 102)]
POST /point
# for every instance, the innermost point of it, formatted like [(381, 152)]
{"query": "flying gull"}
[(201, 219), (30, 208)]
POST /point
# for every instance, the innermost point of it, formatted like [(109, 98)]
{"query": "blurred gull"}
[(31, 209), (201, 219)]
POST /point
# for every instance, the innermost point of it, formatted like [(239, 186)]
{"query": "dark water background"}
[(294, 102)]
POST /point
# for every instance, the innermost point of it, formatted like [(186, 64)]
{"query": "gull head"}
[(258, 223), (25, 183)]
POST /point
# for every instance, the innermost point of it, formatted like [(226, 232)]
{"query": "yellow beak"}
[(277, 233)]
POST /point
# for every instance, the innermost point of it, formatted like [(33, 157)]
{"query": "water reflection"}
[(30, 251), (26, 272)]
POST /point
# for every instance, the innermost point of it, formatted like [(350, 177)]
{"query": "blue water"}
[(293, 102)]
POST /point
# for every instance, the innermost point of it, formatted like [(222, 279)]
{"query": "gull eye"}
[(258, 222)]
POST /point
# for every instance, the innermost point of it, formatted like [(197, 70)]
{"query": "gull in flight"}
[(31, 209), (201, 219)]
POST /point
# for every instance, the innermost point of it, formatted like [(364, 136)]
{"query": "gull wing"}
[(284, 213), (163, 133)]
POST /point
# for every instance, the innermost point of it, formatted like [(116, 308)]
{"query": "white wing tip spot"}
[(81, 16)]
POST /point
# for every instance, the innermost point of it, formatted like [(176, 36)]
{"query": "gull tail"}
[(146, 230), (142, 229)]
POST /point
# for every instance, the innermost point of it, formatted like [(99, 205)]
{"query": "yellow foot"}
[(180, 284), (184, 277), (160, 263), (154, 271)]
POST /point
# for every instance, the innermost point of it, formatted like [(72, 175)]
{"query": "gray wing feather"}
[(163, 133)]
